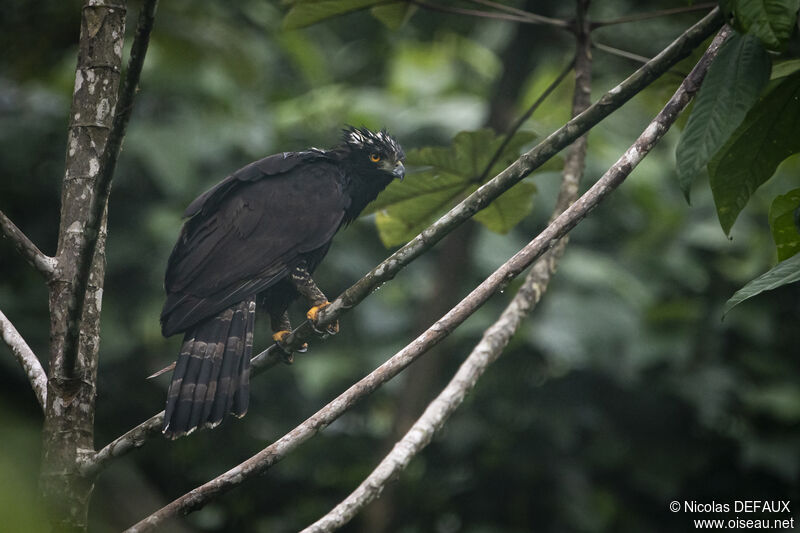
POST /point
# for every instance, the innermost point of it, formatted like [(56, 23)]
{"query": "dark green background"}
[(623, 391)]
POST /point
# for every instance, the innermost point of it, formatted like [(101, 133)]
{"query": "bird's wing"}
[(246, 234), (272, 165)]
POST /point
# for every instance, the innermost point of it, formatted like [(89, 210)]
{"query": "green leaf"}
[(783, 273), (767, 136), (419, 185), (471, 152), (508, 209), (783, 222), (771, 21), (403, 221), (307, 12), (395, 15), (448, 175), (417, 201), (785, 68), (731, 87)]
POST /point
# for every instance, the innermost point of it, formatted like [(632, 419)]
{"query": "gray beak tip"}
[(399, 171)]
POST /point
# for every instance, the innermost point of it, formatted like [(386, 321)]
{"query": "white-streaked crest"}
[(379, 141)]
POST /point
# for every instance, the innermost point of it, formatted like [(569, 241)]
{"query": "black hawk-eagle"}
[(257, 236)]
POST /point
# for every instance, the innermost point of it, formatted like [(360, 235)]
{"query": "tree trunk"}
[(69, 416)]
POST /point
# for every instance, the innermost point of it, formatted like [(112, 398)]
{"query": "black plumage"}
[(258, 235)]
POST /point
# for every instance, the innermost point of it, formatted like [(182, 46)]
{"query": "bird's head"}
[(371, 150)]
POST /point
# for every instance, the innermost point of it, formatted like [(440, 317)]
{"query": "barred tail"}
[(212, 375)]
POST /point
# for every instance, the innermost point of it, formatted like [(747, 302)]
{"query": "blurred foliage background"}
[(623, 391)]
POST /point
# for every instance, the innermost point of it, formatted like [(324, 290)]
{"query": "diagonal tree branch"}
[(38, 260), (30, 363), (387, 269), (497, 336), (102, 188), (546, 240)]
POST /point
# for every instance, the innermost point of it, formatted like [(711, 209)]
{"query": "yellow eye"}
[(375, 158)]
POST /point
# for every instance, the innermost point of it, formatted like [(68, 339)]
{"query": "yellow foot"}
[(313, 313), (280, 340)]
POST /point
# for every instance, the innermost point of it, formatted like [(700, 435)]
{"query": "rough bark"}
[(68, 430)]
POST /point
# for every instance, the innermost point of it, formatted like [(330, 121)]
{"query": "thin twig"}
[(452, 10), (497, 336), (655, 14), (532, 17), (621, 53), (102, 188), (525, 116), (30, 363), (44, 264), (389, 268), (614, 177)]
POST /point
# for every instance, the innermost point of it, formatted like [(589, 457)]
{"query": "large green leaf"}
[(508, 209), (307, 12), (783, 273), (470, 153), (448, 175), (401, 221), (783, 221), (731, 87), (771, 21), (768, 135)]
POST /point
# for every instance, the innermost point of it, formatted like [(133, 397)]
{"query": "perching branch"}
[(387, 269), (30, 363), (270, 455), (102, 187), (497, 336), (38, 260)]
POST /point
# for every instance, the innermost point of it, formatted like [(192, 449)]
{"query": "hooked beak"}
[(399, 170)]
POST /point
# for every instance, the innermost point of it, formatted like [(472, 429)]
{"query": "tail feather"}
[(241, 397), (177, 379), (228, 376), (211, 376), (212, 357)]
